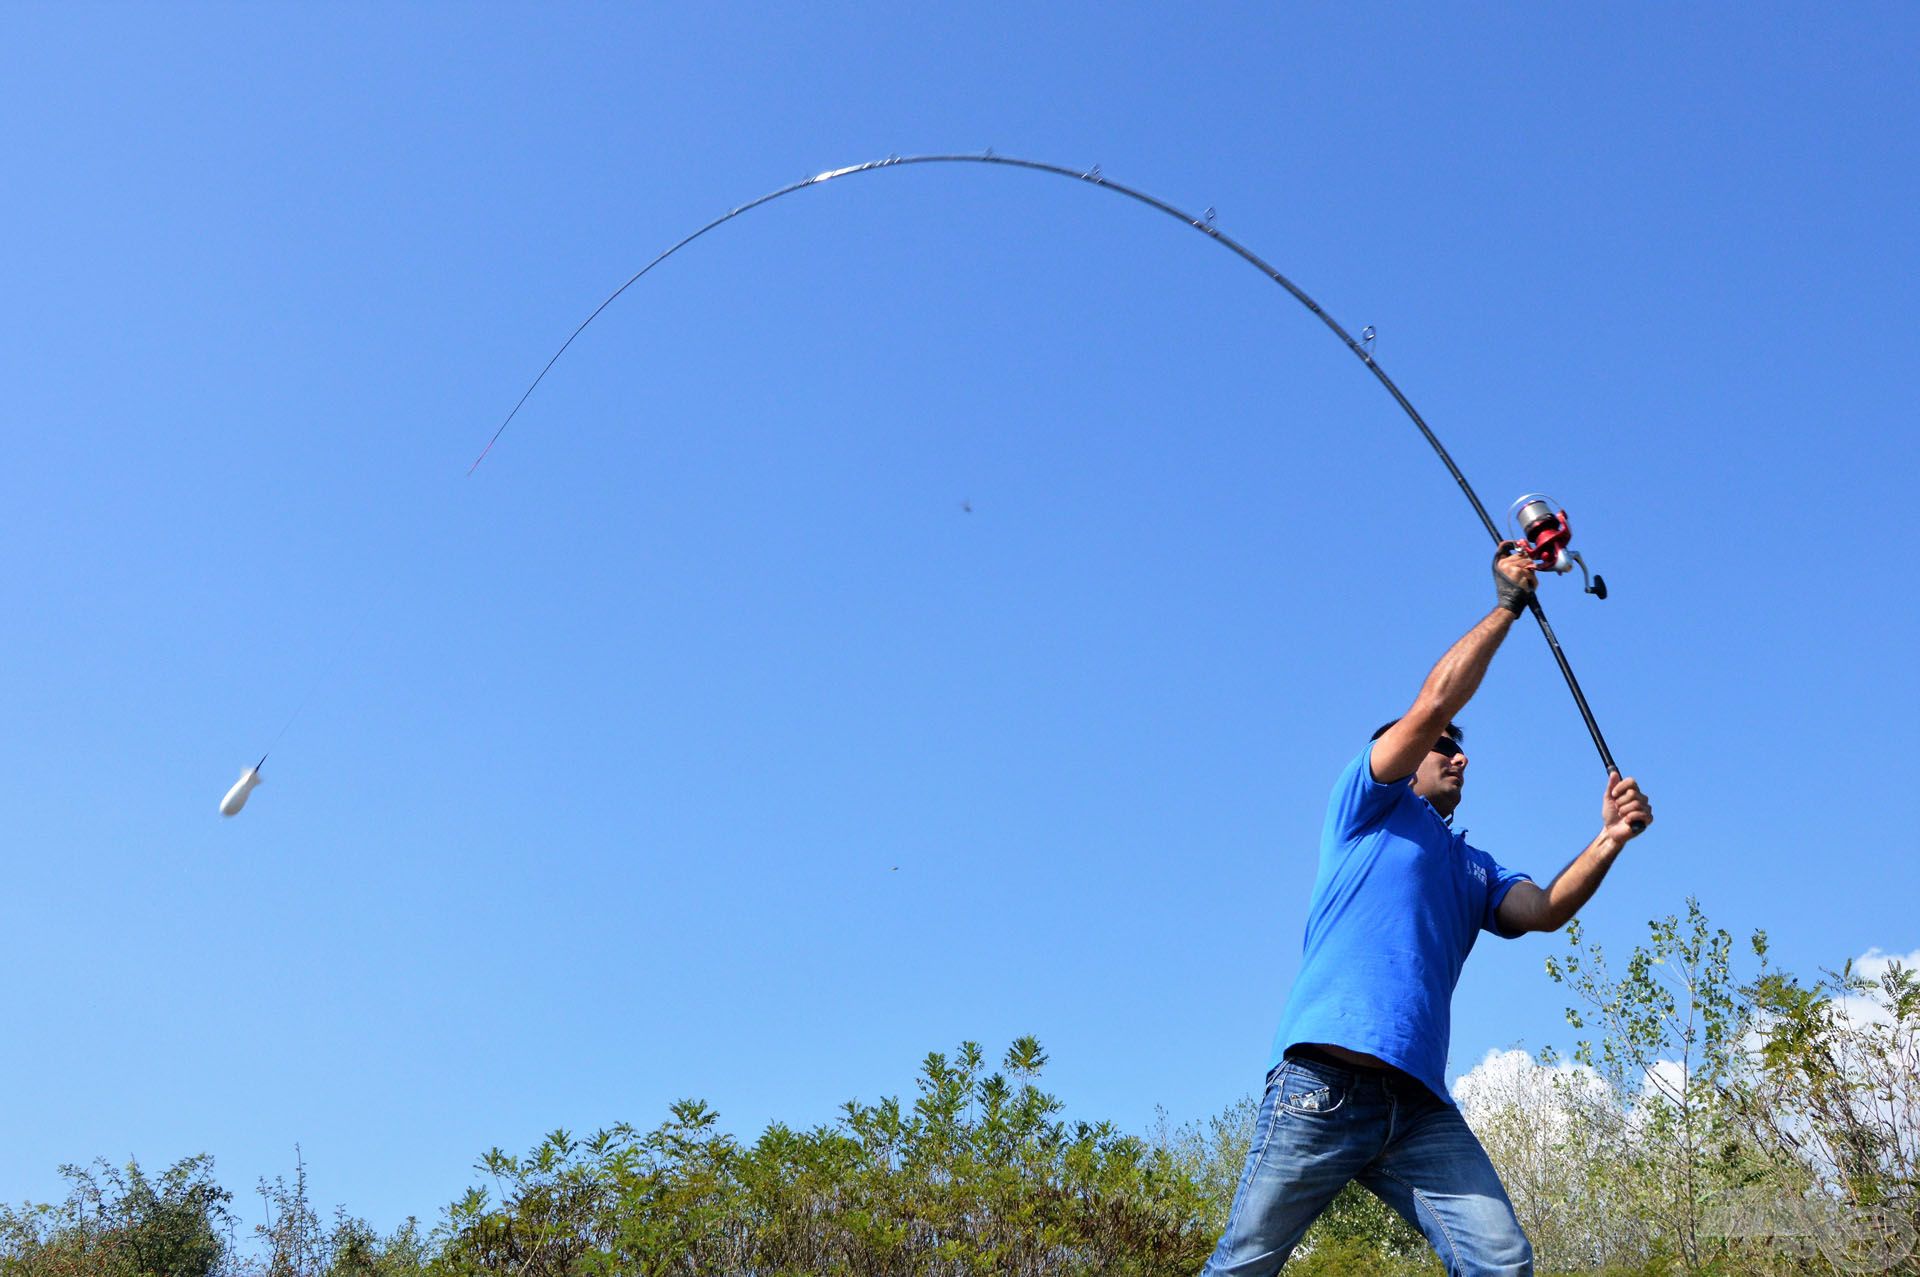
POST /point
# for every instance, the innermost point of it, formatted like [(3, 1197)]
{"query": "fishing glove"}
[(1512, 597)]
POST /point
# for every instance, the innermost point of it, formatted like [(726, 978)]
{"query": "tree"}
[(295, 1243), (1670, 1052), (1834, 1094), (121, 1222), (1555, 1134)]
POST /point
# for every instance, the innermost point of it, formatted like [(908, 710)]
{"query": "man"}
[(1358, 1084)]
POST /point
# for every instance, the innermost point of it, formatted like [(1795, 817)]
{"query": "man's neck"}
[(1445, 813)]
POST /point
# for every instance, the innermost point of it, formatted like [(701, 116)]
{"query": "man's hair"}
[(1453, 730)]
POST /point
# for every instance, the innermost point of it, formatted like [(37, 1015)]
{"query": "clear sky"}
[(703, 742)]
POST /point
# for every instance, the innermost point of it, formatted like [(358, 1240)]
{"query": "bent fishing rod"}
[(1543, 534)]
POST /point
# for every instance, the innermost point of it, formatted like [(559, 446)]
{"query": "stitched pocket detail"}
[(1304, 1095)]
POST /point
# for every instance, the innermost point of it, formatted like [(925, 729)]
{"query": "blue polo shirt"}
[(1399, 901)]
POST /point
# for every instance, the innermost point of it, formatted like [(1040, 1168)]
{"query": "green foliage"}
[(1765, 1127), (1706, 1127), (1359, 1256), (1210, 1155), (358, 1251), (1833, 1098), (978, 1175), (1667, 1148), (1359, 1224), (293, 1242), (121, 1222)]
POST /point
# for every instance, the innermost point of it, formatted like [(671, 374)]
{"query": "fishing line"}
[(1205, 225), (348, 637), (236, 798)]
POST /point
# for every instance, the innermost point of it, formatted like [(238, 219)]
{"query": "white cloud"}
[(1667, 1078), (1513, 1079), (1876, 962), (1873, 966)]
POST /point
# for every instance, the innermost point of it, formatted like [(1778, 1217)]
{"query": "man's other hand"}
[(1623, 807)]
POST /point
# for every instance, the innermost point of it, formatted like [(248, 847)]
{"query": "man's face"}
[(1441, 775)]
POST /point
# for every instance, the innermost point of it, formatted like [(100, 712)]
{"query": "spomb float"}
[(237, 796)]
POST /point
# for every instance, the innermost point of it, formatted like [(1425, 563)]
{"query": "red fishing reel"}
[(1542, 532)]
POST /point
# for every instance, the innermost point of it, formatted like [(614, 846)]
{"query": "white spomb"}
[(237, 796)]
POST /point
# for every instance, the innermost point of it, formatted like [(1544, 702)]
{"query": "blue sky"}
[(702, 743)]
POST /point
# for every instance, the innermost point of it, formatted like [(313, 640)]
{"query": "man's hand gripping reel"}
[(1544, 534)]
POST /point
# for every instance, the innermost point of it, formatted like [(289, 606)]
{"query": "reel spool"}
[(1544, 534)]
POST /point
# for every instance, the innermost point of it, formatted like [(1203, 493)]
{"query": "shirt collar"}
[(1445, 820)]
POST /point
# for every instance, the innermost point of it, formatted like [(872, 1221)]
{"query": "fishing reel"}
[(1544, 534)]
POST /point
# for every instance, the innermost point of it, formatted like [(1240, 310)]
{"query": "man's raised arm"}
[(1452, 682)]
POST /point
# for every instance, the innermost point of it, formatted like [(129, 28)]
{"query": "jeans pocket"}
[(1304, 1095)]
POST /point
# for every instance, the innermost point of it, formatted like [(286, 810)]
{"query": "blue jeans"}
[(1320, 1126)]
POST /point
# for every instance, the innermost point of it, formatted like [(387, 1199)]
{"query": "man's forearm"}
[(1453, 681), (1579, 880)]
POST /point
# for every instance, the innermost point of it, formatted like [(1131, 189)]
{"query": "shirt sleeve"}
[(1358, 799), (1500, 880)]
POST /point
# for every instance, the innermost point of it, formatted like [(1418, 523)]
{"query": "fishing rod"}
[(1542, 536)]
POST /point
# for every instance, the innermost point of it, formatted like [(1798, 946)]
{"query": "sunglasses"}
[(1448, 747)]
